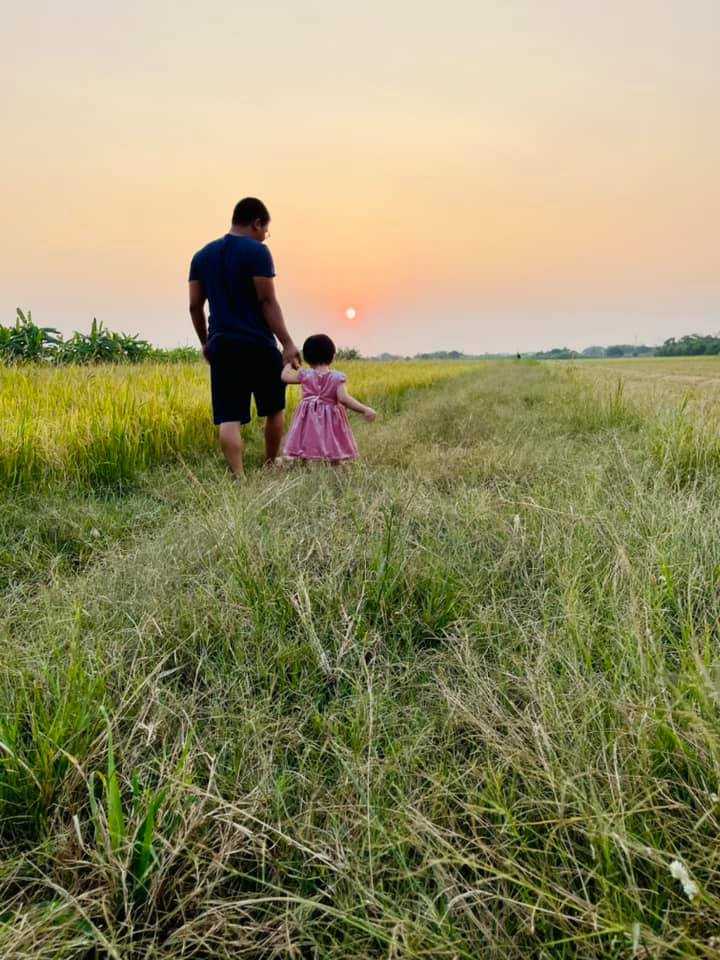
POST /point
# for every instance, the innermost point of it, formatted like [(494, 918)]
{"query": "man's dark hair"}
[(318, 349), (249, 210)]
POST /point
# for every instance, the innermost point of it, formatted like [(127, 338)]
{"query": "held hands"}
[(369, 414), (291, 355)]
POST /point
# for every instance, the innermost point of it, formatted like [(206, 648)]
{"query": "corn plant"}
[(26, 342), (102, 346)]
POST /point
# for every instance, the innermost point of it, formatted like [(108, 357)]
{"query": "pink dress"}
[(320, 428)]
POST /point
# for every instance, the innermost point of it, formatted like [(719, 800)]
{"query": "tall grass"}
[(106, 424), (458, 702), (686, 447)]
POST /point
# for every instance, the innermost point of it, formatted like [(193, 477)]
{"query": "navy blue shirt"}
[(226, 268)]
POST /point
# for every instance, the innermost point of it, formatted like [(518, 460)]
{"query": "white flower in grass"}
[(679, 872), (516, 523)]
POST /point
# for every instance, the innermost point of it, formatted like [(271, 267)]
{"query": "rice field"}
[(105, 424), (459, 701), (659, 382)]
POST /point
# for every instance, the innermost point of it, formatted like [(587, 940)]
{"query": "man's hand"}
[(291, 355), (204, 349)]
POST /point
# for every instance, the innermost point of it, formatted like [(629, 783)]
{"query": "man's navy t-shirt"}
[(226, 268)]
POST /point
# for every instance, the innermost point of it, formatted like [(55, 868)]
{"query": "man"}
[(235, 275)]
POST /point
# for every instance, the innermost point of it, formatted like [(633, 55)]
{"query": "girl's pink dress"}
[(320, 428)]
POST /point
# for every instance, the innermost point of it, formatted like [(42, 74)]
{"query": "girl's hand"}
[(290, 374), (369, 414)]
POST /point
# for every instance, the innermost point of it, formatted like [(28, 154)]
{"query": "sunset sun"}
[(351, 313)]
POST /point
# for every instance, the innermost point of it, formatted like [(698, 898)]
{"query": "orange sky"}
[(467, 177)]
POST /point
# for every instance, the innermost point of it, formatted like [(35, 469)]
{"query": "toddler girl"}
[(320, 428)]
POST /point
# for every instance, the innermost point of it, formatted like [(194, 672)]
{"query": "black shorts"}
[(238, 371)]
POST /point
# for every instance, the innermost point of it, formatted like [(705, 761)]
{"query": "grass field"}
[(461, 700), (680, 369), (103, 425), (656, 380)]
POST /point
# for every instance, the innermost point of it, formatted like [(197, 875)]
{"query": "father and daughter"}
[(235, 275)]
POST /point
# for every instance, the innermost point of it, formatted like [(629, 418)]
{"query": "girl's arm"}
[(347, 401), (289, 374)]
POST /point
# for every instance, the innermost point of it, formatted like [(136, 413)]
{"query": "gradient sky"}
[(468, 174)]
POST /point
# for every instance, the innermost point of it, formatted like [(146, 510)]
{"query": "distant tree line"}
[(441, 355), (596, 353), (435, 355), (690, 346), (693, 345)]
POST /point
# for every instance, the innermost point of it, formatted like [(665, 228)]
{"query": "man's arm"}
[(265, 289), (197, 312)]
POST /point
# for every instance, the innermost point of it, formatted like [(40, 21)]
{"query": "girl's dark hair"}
[(249, 210), (318, 349)]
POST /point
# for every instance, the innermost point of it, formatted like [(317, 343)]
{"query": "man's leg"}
[(231, 405), (232, 446), (274, 426)]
